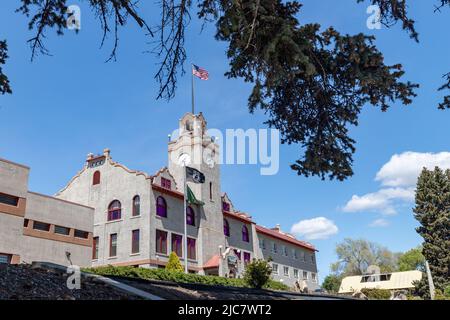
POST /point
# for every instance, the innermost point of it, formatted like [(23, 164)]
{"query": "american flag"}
[(199, 72)]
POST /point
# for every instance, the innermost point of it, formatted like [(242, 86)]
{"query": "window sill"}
[(113, 221), (135, 217), (163, 255), (94, 260), (135, 254), (112, 258)]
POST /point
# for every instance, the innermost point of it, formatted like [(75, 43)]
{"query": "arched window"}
[(136, 206), (245, 236), (226, 227), (96, 178), (114, 210), (190, 216), (161, 207)]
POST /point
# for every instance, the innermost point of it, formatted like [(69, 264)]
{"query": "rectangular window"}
[(41, 226), (303, 255), (135, 235), (305, 275), (81, 234), (25, 223), (274, 268), (95, 244), (9, 200), (246, 257), (165, 183), (285, 251), (312, 258), (313, 277), (294, 254), (274, 248), (62, 230), (296, 273), (286, 271), (192, 250), (161, 242), (5, 258), (177, 244), (262, 244), (113, 245)]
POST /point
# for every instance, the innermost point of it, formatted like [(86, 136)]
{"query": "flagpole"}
[(192, 85), (185, 224)]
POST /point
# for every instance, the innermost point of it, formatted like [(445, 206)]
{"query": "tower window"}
[(96, 178), (210, 191), (165, 183)]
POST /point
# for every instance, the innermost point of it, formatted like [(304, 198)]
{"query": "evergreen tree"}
[(174, 263), (432, 210)]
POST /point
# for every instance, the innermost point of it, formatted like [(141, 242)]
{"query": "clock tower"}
[(195, 148)]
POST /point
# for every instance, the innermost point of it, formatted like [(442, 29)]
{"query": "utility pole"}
[(430, 280)]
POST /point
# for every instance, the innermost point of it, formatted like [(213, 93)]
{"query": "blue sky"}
[(72, 103)]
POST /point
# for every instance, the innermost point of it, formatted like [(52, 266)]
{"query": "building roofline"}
[(237, 217), (280, 236), (15, 163), (59, 199)]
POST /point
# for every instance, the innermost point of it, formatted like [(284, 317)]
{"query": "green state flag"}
[(191, 197)]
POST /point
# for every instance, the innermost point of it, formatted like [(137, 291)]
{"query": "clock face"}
[(184, 159)]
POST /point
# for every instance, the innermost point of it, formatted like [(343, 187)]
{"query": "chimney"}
[(90, 156), (106, 152), (277, 228)]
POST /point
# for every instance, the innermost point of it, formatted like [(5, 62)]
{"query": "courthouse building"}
[(139, 218), (111, 215)]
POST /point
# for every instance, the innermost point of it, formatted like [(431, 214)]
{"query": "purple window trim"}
[(166, 183), (226, 228), (190, 216), (114, 210), (135, 239), (245, 236), (177, 244), (191, 249), (161, 207), (246, 257), (225, 206), (161, 241)]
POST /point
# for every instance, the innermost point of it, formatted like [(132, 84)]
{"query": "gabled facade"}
[(139, 218)]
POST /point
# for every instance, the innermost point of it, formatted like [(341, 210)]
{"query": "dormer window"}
[(166, 183), (225, 206)]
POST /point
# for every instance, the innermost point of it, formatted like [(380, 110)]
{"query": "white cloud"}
[(403, 169), (379, 223), (383, 200), (398, 178), (316, 228)]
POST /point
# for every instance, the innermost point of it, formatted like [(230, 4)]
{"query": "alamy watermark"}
[(234, 146), (73, 21), (74, 280), (374, 20)]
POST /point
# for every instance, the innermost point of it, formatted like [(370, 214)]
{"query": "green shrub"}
[(257, 273), (174, 263), (176, 276), (376, 294)]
